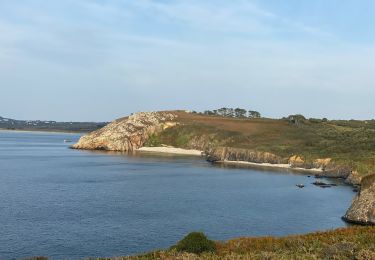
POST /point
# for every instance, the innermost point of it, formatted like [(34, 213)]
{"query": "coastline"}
[(170, 150), (181, 151), (41, 131), (270, 165)]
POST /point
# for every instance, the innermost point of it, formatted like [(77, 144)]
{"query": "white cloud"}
[(230, 51)]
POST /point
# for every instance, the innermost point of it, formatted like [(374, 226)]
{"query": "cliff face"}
[(362, 210), (238, 154), (127, 134)]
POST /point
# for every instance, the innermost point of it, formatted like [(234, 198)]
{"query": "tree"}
[(254, 114), (230, 112), (222, 111), (296, 119), (239, 112)]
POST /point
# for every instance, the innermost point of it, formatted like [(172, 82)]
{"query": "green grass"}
[(346, 142)]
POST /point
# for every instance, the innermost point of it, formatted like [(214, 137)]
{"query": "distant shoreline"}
[(41, 131)]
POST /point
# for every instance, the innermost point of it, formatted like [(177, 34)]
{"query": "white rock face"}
[(127, 134)]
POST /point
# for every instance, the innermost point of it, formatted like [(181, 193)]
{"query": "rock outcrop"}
[(238, 154), (127, 134), (362, 210)]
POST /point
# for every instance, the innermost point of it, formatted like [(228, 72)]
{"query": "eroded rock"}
[(362, 210), (127, 134), (238, 154)]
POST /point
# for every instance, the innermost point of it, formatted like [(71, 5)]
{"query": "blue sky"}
[(99, 60)]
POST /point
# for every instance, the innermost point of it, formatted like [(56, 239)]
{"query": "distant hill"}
[(39, 125)]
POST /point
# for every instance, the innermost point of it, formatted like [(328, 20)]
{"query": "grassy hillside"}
[(346, 243), (347, 142)]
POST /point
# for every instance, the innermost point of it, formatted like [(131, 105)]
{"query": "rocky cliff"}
[(238, 154), (329, 168), (127, 134), (362, 210)]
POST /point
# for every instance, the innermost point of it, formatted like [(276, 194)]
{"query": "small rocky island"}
[(319, 146)]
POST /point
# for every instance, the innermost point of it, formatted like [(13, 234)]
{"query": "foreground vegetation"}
[(346, 243), (350, 143)]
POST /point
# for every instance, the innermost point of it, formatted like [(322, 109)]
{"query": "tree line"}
[(233, 112)]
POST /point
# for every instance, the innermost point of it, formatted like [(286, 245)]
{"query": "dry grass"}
[(347, 142), (345, 243)]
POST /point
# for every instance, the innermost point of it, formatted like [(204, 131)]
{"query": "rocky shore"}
[(321, 167), (362, 210), (131, 133)]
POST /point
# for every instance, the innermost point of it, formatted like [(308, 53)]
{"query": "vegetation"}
[(350, 143), (196, 243), (232, 112), (345, 243), (153, 141)]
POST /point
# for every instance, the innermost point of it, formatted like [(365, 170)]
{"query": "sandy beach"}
[(270, 165), (170, 150)]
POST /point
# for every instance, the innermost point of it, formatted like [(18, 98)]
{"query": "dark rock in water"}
[(355, 190), (300, 185), (212, 158), (308, 176), (323, 184), (319, 183)]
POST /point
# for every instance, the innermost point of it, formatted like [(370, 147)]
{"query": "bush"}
[(153, 141), (195, 242)]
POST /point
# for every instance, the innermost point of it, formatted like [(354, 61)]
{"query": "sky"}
[(97, 60)]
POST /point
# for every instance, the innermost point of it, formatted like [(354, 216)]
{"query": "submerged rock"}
[(126, 134), (362, 210)]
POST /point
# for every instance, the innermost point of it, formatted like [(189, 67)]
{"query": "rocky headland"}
[(362, 211), (131, 133), (126, 134)]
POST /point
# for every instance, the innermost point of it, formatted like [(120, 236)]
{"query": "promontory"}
[(330, 148)]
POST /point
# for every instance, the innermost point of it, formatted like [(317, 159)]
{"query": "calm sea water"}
[(70, 204)]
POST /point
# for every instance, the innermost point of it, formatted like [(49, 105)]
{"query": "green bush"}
[(153, 141), (195, 242)]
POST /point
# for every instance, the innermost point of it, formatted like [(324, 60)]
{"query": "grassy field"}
[(350, 143)]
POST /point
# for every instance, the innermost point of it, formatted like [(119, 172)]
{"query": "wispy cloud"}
[(147, 48)]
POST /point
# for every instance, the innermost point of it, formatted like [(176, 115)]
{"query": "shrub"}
[(153, 141), (195, 242)]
